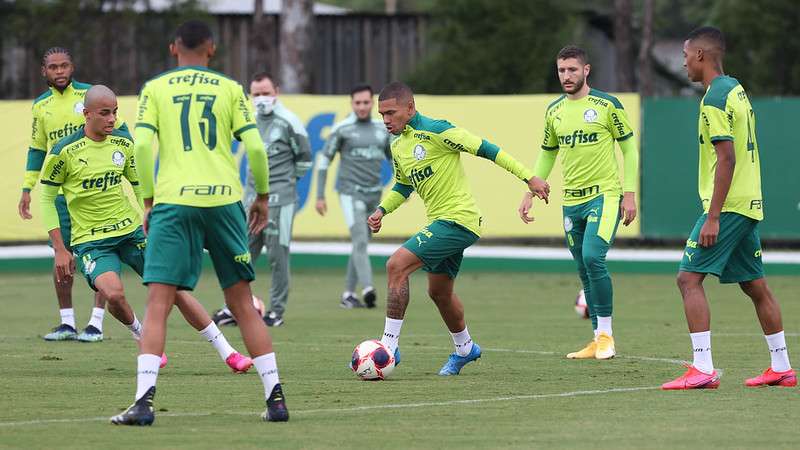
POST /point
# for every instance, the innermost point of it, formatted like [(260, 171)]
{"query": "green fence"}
[(670, 204)]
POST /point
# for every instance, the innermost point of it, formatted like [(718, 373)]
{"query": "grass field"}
[(521, 394)]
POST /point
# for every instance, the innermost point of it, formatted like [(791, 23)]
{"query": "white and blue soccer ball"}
[(581, 309), (372, 360)]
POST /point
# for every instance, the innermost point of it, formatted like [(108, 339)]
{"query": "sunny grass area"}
[(202, 405)]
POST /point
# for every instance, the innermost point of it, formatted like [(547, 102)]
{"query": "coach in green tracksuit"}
[(364, 144), (286, 142)]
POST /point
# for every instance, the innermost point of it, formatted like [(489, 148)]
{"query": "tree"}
[(490, 47), (623, 45), (296, 45)]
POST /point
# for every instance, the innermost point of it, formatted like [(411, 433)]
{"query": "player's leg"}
[(574, 230), (279, 236), (66, 330), (256, 243), (440, 290), (399, 266), (101, 267), (226, 241), (174, 230), (696, 264), (602, 217), (198, 318), (359, 235), (349, 299), (746, 268)]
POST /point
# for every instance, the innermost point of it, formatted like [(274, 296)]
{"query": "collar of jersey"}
[(413, 124), (70, 86)]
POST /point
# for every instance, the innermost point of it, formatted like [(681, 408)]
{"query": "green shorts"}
[(107, 255), (440, 246), (64, 222), (735, 258), (176, 239)]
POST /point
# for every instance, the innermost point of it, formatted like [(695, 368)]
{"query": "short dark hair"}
[(193, 34), (709, 34), (264, 76), (573, 51), (361, 88), (397, 90), (54, 51)]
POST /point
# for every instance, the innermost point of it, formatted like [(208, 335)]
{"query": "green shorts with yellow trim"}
[(440, 246), (107, 255), (178, 234), (736, 256), (64, 222), (598, 217)]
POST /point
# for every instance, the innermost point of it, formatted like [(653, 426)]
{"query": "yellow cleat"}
[(587, 352), (605, 347)]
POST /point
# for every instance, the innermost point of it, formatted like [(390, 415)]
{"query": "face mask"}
[(264, 104)]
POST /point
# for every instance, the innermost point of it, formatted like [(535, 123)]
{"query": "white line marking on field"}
[(355, 408), (753, 334)]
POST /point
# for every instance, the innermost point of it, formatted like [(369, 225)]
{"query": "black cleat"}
[(276, 406), (223, 317), (272, 319), (140, 413), (350, 302), (369, 297)]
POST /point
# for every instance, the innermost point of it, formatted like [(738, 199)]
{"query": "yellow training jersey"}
[(726, 115), (196, 112), (90, 173), (584, 132)]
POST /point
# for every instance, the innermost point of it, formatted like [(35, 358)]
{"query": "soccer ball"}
[(372, 360), (258, 304), (580, 305)]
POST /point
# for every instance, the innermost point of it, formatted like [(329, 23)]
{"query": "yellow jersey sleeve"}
[(716, 121)]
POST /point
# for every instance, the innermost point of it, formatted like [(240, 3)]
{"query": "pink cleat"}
[(238, 362), (693, 379), (772, 378), (163, 361)]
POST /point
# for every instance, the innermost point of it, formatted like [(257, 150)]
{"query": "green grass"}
[(524, 322)]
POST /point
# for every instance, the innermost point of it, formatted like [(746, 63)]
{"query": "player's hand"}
[(146, 219), (259, 214), (321, 206), (540, 188), (627, 210), (25, 206), (65, 265), (374, 221), (525, 207), (709, 232)]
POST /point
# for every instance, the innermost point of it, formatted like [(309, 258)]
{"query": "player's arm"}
[(400, 192), (33, 166), (144, 131), (720, 131), (621, 129), (132, 175), (324, 159), (52, 178), (244, 129), (541, 171), (302, 153)]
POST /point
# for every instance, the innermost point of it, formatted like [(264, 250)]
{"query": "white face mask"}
[(264, 104)]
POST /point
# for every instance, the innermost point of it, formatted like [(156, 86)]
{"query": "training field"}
[(521, 394)]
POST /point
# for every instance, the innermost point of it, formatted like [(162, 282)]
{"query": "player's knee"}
[(113, 295), (686, 281), (439, 295), (755, 289), (594, 263)]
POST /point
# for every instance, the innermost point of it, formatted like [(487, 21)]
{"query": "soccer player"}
[(364, 144), (427, 159), (196, 113), (583, 125), (725, 240), (89, 166), (289, 153), (58, 113)]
